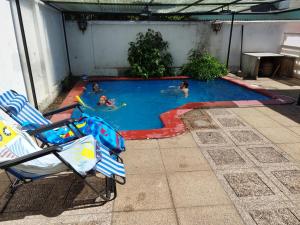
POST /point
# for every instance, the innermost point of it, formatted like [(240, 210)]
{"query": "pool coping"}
[(173, 124)]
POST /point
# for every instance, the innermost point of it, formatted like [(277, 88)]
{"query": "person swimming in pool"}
[(104, 101), (184, 87), (96, 88)]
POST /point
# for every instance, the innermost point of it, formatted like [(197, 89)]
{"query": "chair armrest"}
[(76, 105), (52, 126), (29, 157)]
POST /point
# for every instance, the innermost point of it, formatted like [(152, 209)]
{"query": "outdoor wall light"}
[(82, 23), (216, 25)]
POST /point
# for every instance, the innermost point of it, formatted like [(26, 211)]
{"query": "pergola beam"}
[(190, 5), (264, 3), (152, 3), (59, 5), (225, 5)]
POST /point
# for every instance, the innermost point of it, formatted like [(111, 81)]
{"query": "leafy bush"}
[(203, 66), (148, 56)]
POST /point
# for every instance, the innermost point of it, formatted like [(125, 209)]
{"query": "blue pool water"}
[(146, 100)]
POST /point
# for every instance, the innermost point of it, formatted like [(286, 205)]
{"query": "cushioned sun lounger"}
[(21, 157)]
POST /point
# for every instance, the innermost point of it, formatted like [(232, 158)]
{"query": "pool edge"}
[(173, 124)]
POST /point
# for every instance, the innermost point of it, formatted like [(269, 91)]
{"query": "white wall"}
[(47, 52), (11, 75), (102, 48)]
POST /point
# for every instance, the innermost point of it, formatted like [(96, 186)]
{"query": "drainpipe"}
[(230, 36), (242, 42), (26, 53), (66, 43)]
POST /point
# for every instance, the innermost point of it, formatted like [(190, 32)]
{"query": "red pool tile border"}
[(173, 125)]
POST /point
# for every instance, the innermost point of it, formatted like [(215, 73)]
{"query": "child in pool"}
[(184, 87), (96, 88), (103, 100)]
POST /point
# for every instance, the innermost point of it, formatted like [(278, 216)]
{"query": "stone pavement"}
[(235, 166), (225, 171)]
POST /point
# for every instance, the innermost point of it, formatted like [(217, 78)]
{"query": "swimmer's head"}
[(184, 84), (102, 100)]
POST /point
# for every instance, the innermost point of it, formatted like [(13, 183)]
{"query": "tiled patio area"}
[(235, 166)]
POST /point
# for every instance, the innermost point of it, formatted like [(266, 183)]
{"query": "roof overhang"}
[(170, 7)]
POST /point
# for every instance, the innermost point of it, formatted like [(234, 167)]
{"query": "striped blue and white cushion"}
[(16, 104), (27, 114), (109, 166)]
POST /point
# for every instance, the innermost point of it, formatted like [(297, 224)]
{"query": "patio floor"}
[(235, 166)]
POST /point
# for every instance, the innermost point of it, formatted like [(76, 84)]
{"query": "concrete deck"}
[(235, 166)]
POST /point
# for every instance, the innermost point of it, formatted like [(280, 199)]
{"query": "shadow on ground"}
[(50, 197), (291, 111)]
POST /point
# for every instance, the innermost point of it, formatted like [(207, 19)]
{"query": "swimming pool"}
[(140, 102)]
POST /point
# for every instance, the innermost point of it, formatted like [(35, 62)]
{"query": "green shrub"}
[(148, 56), (203, 66)]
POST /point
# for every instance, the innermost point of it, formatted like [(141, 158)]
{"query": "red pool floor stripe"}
[(173, 125)]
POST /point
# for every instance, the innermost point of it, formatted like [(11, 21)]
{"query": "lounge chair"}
[(23, 159), (19, 109)]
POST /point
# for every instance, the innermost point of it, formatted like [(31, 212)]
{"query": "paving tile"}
[(196, 189), (195, 113), (267, 155), (268, 213), (209, 215), (246, 137), (226, 157), (147, 191), (256, 118), (55, 196), (230, 122), (101, 209), (218, 112), (275, 216), (22, 201), (3, 177), (292, 149), (268, 111), (141, 144), (249, 186), (149, 217), (141, 161), (198, 119), (80, 194), (3, 187), (184, 159), (210, 138), (201, 122), (287, 179), (285, 121), (246, 112), (90, 219), (290, 179), (279, 135), (295, 129), (185, 140), (260, 121), (290, 110)]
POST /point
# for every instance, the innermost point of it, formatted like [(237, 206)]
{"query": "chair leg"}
[(10, 192), (106, 193), (111, 189)]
